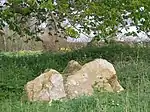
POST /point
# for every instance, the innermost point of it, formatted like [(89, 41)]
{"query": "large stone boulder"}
[(98, 73), (72, 67), (77, 80), (46, 87)]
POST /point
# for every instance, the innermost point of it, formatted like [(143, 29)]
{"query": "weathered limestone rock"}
[(78, 80), (98, 73), (72, 67), (48, 86)]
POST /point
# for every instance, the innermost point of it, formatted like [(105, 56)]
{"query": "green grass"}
[(132, 66)]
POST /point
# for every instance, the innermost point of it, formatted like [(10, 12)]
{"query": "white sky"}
[(2, 2)]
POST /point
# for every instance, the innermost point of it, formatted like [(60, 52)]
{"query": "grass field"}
[(131, 63)]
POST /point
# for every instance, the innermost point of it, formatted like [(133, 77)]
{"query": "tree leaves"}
[(72, 32), (102, 16), (47, 4)]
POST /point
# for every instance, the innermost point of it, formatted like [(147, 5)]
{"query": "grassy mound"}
[(132, 65)]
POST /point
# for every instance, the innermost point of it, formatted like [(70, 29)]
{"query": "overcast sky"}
[(2, 1)]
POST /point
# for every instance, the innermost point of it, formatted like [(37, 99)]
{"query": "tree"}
[(104, 17)]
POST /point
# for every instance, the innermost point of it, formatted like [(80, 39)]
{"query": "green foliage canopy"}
[(105, 17)]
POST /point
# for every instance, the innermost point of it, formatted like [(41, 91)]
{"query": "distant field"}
[(132, 65)]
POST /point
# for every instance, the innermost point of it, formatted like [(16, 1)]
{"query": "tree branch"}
[(55, 22), (2, 32)]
